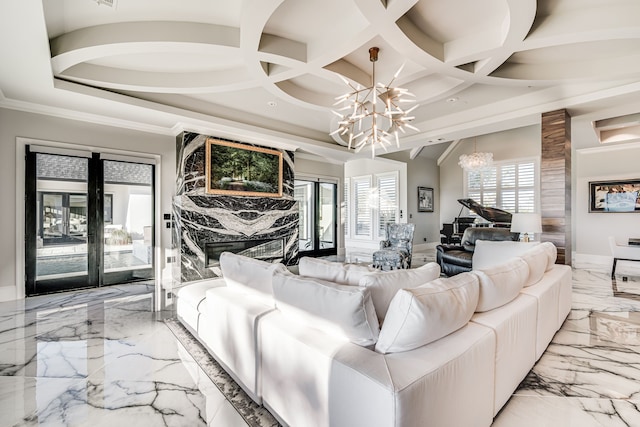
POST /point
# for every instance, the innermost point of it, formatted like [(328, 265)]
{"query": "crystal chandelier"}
[(361, 120), (477, 161)]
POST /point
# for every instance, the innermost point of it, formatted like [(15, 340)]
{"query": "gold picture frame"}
[(242, 170)]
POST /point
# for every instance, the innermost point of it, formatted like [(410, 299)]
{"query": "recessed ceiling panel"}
[(63, 16), (449, 20)]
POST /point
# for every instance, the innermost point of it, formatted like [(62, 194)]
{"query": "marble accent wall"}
[(201, 218)]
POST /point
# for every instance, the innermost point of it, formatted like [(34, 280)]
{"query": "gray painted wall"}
[(421, 172)]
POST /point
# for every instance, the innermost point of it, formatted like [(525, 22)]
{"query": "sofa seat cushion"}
[(489, 253), (501, 283), (229, 330), (562, 274), (514, 326), (191, 301), (340, 310), (427, 313), (547, 294), (458, 257), (249, 274), (384, 285), (338, 272)]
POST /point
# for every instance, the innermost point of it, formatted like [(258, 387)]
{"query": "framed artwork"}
[(614, 196), (425, 199), (242, 170)]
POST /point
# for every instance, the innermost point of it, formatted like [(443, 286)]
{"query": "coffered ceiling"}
[(268, 71)]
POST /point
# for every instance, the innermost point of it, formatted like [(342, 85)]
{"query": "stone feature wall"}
[(201, 219)]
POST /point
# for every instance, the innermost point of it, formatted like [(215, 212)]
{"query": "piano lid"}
[(490, 214)]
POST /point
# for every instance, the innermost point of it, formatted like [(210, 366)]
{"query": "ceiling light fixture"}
[(364, 124), (475, 162)]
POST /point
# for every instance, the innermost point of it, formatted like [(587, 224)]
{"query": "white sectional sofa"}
[(345, 345)]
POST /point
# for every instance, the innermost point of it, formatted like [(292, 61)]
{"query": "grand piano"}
[(453, 231)]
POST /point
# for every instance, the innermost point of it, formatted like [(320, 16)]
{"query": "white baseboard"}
[(8, 293), (424, 246)]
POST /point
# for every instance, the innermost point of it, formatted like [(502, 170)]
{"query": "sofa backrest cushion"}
[(501, 283), (385, 284), (552, 254), (249, 274), (338, 272), (489, 253), (427, 313), (472, 234), (537, 258), (340, 310)]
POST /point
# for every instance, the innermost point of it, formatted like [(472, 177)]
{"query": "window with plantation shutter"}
[(510, 185), (371, 202), (387, 201)]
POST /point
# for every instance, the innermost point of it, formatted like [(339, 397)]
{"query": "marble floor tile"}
[(536, 411), (101, 358), (588, 376)]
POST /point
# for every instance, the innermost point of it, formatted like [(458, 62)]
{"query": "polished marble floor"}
[(104, 358), (101, 358)]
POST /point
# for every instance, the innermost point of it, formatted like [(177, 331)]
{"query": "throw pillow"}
[(338, 272), (427, 313), (537, 259), (340, 310), (384, 285), (249, 274), (489, 253), (552, 254), (501, 283)]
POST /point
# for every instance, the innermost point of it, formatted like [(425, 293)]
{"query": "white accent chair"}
[(622, 253)]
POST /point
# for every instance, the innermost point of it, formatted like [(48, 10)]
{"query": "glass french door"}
[(88, 222), (317, 202)]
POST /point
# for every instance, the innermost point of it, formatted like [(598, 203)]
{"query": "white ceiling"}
[(220, 66)]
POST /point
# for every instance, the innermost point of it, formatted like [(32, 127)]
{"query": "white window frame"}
[(353, 212), (374, 205), (345, 208), (498, 188)]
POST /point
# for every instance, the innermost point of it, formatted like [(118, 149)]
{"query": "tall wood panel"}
[(555, 182)]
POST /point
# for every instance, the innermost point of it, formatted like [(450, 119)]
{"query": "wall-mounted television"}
[(242, 170)]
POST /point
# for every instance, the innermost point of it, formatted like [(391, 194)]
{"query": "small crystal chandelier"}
[(363, 122), (475, 162)]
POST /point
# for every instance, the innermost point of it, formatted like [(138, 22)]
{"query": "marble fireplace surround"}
[(259, 249), (202, 219)]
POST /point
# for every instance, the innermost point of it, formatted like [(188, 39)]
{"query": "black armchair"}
[(456, 259)]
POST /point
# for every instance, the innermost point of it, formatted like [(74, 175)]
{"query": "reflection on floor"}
[(66, 264), (100, 358), (103, 357)]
